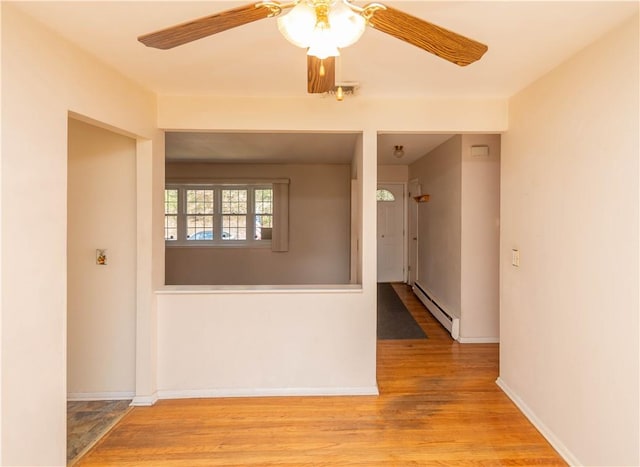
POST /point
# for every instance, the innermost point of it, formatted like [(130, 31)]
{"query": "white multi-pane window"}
[(220, 215), (171, 214), (199, 213), (234, 213), (263, 213)]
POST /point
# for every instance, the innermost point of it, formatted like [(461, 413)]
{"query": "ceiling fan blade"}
[(209, 25), (439, 41), (317, 83)]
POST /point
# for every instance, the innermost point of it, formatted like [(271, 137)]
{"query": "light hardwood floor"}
[(438, 405)]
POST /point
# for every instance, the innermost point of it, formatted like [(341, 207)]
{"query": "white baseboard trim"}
[(100, 396), (479, 340), (558, 445), (145, 401), (266, 392)]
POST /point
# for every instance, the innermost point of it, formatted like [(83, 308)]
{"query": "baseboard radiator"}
[(450, 322)]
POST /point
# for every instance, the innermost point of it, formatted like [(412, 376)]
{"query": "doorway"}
[(390, 232), (101, 279)]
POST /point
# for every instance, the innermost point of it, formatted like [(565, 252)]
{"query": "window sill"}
[(247, 246), (226, 289)]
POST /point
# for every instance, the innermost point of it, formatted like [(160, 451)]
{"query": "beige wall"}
[(439, 223), (393, 173), (480, 241), (309, 355), (43, 78), (319, 225), (569, 353), (437, 115), (101, 300)]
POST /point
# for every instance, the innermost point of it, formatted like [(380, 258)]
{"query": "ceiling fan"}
[(323, 27)]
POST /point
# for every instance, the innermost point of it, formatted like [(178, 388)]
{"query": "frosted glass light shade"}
[(298, 25), (346, 25)]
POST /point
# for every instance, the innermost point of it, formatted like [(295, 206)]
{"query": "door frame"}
[(412, 211), (405, 225)]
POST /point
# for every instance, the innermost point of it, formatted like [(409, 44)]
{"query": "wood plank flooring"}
[(438, 405), (88, 421)]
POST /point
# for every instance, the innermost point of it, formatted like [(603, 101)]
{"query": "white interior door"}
[(390, 232)]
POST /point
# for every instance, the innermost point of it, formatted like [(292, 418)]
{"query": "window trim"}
[(217, 187)]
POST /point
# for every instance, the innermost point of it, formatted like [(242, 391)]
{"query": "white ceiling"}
[(525, 39)]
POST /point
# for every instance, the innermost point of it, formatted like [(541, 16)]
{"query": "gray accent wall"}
[(439, 222)]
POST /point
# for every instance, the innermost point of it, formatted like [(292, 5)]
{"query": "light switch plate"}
[(515, 258)]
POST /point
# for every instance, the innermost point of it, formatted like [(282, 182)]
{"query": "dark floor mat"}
[(394, 320)]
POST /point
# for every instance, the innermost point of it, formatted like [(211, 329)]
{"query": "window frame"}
[(219, 242)]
